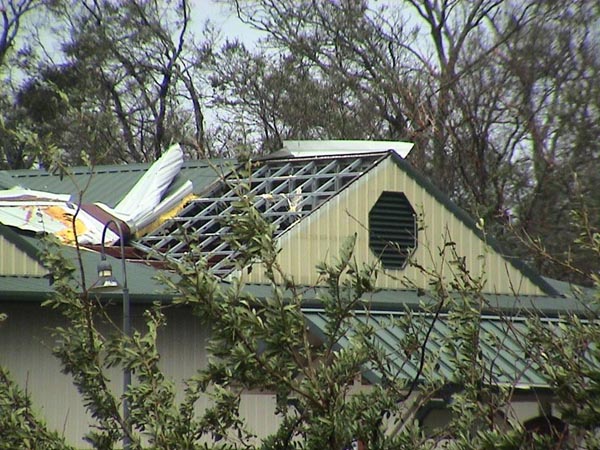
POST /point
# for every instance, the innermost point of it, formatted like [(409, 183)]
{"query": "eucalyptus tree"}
[(340, 47), (272, 98), (20, 50), (416, 71), (13, 14), (124, 84), (553, 95)]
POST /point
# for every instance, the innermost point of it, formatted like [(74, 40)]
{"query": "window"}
[(392, 229)]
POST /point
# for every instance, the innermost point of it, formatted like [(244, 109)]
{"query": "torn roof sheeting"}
[(44, 212), (146, 195)]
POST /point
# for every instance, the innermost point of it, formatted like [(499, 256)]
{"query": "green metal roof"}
[(548, 306), (17, 288), (109, 184), (501, 344), (400, 300), (6, 181)]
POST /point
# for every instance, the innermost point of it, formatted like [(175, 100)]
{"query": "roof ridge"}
[(109, 168)]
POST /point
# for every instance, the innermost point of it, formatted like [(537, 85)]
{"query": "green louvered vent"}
[(392, 229)]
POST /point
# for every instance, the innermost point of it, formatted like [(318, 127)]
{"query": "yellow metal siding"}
[(26, 344), (182, 346), (258, 409), (320, 235), (13, 261), (26, 352)]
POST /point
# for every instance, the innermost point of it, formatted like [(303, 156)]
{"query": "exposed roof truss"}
[(283, 190)]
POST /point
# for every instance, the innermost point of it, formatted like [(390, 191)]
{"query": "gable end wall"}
[(319, 236), (15, 262)]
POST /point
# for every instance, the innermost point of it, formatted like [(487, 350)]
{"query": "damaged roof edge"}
[(22, 243), (42, 211)]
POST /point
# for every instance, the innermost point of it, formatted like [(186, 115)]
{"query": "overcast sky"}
[(223, 18)]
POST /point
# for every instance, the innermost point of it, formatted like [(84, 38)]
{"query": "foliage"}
[(113, 89), (266, 343), (497, 122), (501, 100), (20, 425), (568, 354), (499, 97), (87, 351)]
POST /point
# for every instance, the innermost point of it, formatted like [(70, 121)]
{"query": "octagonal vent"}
[(392, 229)]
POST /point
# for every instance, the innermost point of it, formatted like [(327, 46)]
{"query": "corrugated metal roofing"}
[(398, 300), (6, 181), (109, 184), (501, 345), (16, 288)]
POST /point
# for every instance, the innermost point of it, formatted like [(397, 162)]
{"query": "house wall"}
[(319, 236), (25, 343), (15, 262), (522, 409), (25, 350)]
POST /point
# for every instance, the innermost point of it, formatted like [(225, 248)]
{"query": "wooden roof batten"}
[(284, 190)]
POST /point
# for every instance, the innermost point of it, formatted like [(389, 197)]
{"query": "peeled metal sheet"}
[(149, 190), (45, 212), (54, 217)]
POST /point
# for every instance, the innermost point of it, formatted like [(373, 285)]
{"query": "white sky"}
[(224, 19)]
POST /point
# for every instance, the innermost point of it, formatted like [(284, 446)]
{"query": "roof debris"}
[(60, 215), (318, 148)]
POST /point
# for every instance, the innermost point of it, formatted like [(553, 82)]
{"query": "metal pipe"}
[(126, 326)]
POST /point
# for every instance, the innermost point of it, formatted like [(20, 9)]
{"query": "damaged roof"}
[(283, 190), (286, 187), (79, 210), (37, 286), (109, 184)]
